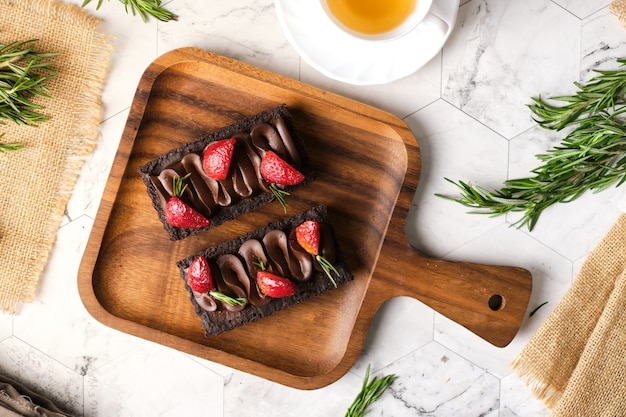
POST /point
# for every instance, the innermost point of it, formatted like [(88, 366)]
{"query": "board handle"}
[(489, 300)]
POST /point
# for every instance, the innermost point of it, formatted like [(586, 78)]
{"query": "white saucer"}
[(345, 58)]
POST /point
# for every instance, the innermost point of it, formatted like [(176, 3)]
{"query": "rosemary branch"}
[(592, 157), (603, 92), (23, 74), (143, 8), (370, 392), (10, 147)]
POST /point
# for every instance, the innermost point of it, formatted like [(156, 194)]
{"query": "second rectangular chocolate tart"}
[(244, 189), (232, 265)]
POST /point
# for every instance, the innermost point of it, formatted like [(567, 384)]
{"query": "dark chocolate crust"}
[(217, 322), (243, 206)]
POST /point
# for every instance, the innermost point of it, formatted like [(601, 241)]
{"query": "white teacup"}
[(378, 20)]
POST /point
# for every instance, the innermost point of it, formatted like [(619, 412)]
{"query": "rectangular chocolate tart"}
[(234, 264), (244, 188)]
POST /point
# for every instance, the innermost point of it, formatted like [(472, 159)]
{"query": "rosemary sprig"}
[(11, 147), (280, 196), (601, 93), (239, 301), (23, 75), (143, 8), (532, 313), (370, 392), (592, 157)]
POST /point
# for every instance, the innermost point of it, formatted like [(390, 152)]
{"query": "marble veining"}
[(491, 65), (467, 109)]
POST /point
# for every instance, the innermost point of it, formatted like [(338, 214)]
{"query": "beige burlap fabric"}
[(35, 184), (576, 362), (618, 8)]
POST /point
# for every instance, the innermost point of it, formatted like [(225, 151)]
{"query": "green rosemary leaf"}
[(280, 196), (143, 8), (604, 91), (591, 157), (11, 147), (23, 75), (532, 313), (227, 299), (370, 392)]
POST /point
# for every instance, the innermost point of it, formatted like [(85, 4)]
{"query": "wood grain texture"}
[(367, 165)]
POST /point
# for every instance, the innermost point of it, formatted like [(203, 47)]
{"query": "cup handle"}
[(436, 22)]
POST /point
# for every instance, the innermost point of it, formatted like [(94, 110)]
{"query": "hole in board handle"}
[(496, 302)]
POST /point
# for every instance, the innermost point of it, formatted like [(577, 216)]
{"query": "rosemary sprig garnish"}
[(370, 392), (592, 157), (143, 8), (239, 301), (328, 268), (280, 196), (23, 74)]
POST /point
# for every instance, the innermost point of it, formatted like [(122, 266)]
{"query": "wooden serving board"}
[(367, 165)]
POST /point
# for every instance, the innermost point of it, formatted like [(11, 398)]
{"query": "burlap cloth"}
[(36, 183), (618, 8), (576, 361)]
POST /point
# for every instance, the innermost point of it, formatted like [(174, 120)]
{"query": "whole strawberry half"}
[(308, 236), (274, 285), (199, 275), (276, 171), (180, 214), (216, 158)]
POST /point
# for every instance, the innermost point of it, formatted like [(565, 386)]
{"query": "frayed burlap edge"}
[(83, 135), (549, 359), (548, 392), (618, 8)]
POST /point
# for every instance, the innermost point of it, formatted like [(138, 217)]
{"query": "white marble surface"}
[(467, 109)]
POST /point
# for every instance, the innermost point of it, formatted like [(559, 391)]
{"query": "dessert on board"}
[(230, 172), (264, 271)]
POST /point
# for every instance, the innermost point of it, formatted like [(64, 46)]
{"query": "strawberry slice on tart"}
[(200, 280), (273, 285), (216, 158), (279, 173), (308, 237), (180, 214)]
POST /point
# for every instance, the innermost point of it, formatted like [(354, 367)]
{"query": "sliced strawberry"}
[(276, 171), (308, 236), (199, 275), (275, 286), (180, 214), (216, 158), (200, 280)]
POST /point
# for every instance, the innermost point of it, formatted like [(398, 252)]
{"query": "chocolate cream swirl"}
[(207, 195), (235, 274)]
